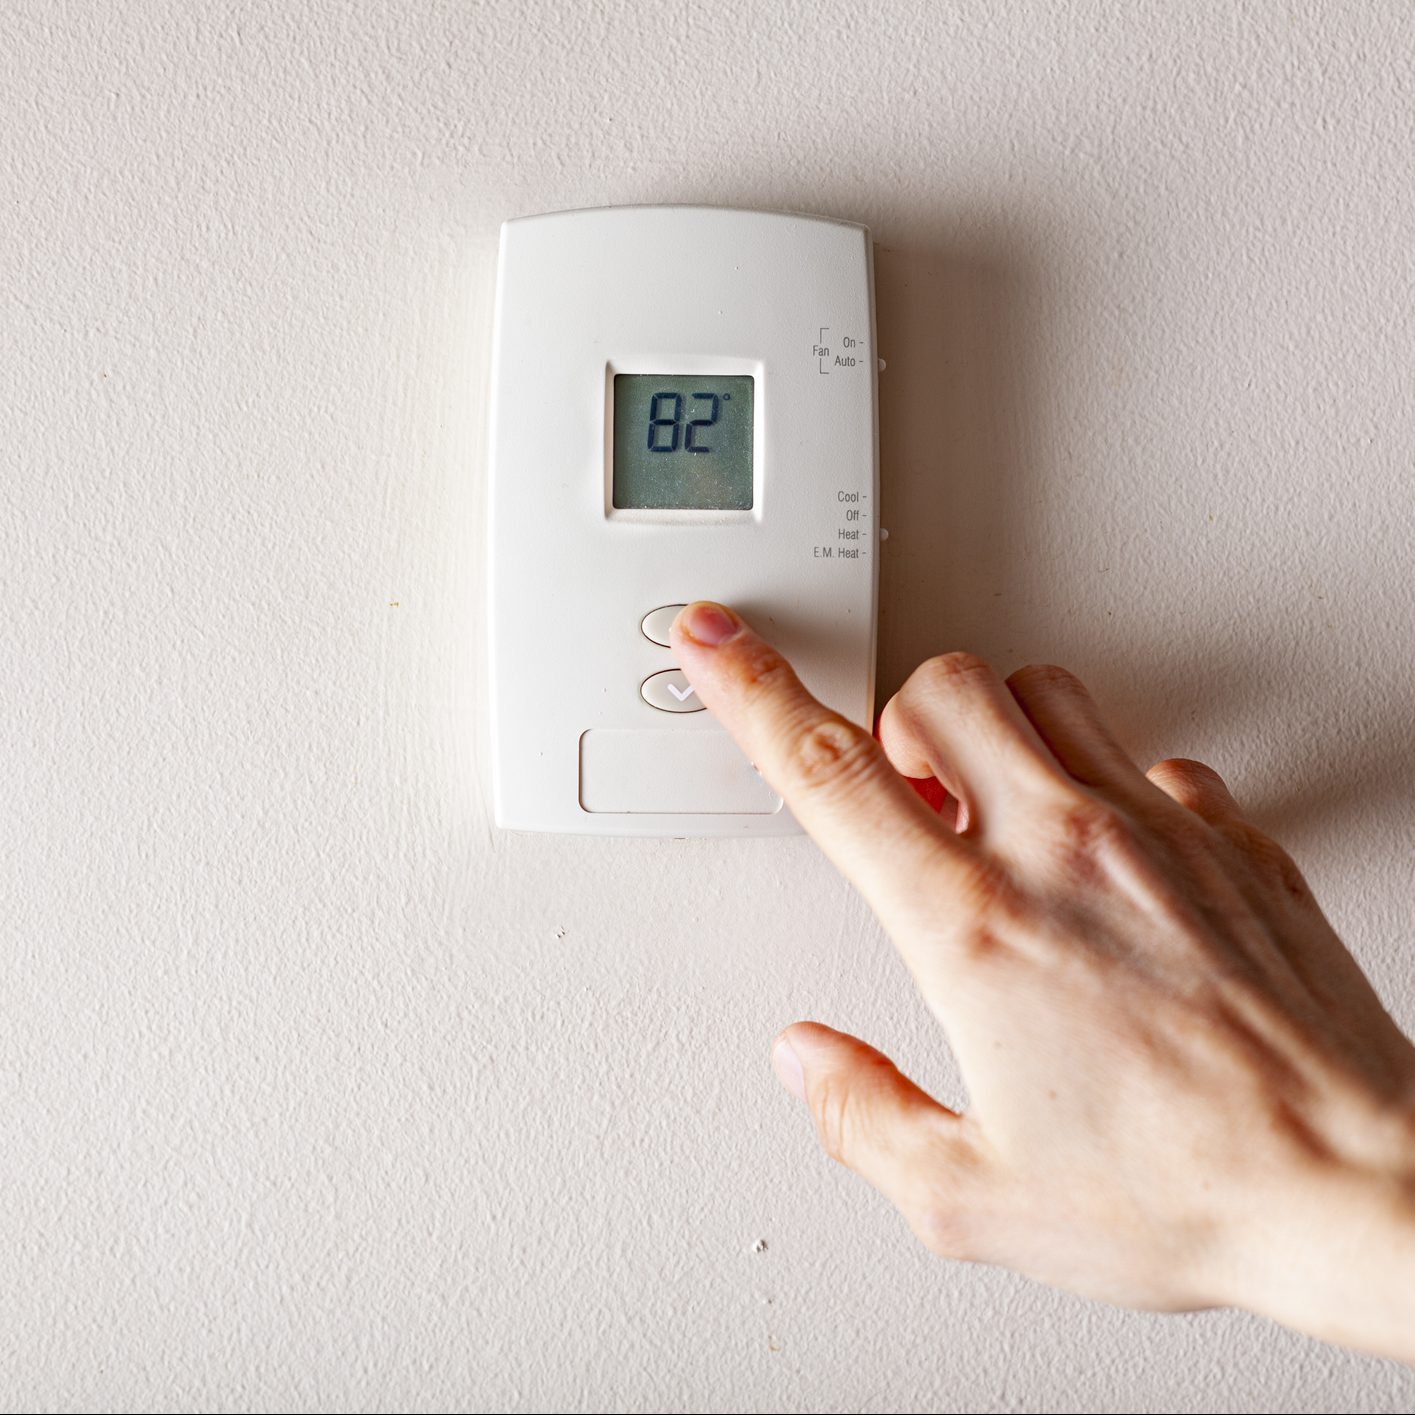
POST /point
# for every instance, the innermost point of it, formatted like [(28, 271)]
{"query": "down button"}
[(670, 691)]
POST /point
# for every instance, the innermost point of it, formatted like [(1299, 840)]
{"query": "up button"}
[(657, 622)]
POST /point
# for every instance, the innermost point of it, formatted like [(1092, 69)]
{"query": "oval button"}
[(657, 622), (670, 691)]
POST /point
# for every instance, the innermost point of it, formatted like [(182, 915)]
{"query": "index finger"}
[(831, 772)]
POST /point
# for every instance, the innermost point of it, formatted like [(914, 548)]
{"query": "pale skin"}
[(1183, 1092)]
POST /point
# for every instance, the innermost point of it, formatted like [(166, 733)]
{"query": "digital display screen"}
[(682, 442)]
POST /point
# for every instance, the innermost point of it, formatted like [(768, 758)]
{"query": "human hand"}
[(1182, 1090)]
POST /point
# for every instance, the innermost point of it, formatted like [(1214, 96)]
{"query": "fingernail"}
[(787, 1066), (708, 623)]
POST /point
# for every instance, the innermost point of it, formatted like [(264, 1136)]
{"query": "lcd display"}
[(682, 443)]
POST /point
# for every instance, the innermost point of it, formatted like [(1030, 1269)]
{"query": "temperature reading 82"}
[(667, 431), (665, 427)]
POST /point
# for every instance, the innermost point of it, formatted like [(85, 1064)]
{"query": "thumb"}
[(873, 1119)]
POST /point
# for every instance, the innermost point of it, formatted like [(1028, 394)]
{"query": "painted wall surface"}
[(315, 1091)]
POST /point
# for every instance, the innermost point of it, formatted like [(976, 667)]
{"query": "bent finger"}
[(955, 719), (1198, 788), (1067, 719)]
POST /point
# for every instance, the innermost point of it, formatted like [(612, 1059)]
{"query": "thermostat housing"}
[(683, 407)]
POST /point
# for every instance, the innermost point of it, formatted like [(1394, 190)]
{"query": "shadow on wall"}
[(959, 452), (954, 403)]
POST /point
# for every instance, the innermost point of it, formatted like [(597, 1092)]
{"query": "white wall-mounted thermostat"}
[(683, 407)]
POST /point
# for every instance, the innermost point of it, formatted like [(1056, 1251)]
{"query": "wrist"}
[(1328, 1247)]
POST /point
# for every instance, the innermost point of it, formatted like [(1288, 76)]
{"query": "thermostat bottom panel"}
[(637, 771)]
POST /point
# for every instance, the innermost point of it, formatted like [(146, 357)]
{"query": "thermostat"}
[(683, 407)]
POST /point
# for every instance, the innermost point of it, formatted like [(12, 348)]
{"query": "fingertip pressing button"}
[(670, 691), (657, 622)]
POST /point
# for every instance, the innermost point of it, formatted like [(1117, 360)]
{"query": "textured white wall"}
[(314, 1090)]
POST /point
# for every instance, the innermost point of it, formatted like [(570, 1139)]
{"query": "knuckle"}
[(830, 1102), (947, 671), (761, 671), (1091, 837), (831, 753), (988, 907), (943, 1225), (1268, 858), (945, 674), (1088, 824), (992, 915), (1183, 770), (1044, 678), (979, 943), (1249, 841), (948, 1177)]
